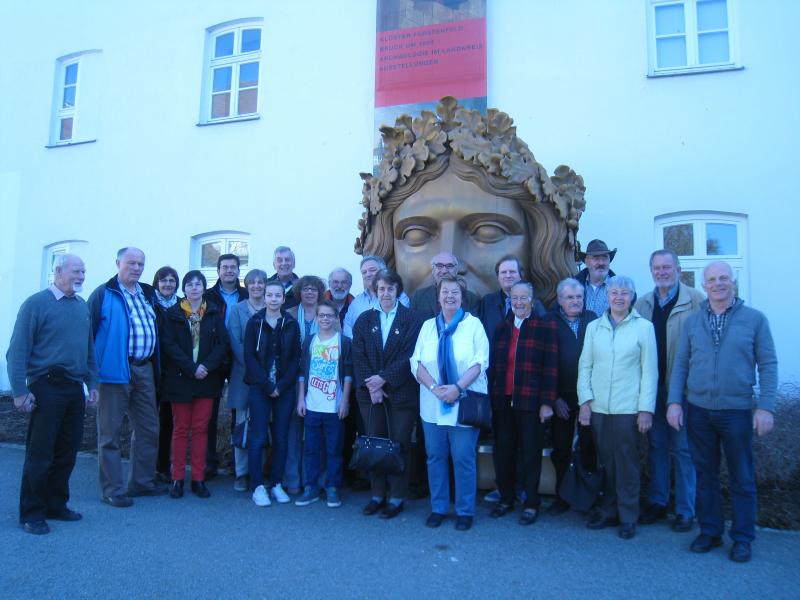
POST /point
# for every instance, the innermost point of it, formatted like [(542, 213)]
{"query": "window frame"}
[(696, 262), (58, 112), (691, 35), (235, 62), (226, 238)]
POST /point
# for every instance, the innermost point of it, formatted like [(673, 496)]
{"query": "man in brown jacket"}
[(667, 307)]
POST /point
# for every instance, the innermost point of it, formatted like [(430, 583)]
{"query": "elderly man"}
[(721, 347), (50, 357), (668, 307), (225, 293), (126, 346), (571, 319), (369, 267), (594, 276), (424, 300), (495, 308), (339, 283), (283, 261)]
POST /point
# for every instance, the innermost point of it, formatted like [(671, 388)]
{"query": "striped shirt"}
[(141, 324)]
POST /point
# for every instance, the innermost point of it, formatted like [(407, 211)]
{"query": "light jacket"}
[(688, 302), (618, 368)]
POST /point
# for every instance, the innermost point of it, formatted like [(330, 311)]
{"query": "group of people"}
[(307, 365)]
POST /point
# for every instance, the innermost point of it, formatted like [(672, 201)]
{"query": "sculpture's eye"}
[(416, 235), (489, 232)]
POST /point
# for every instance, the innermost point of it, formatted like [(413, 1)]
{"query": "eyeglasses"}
[(325, 316), (443, 266), (167, 280), (308, 288)]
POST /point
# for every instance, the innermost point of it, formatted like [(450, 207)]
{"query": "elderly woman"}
[(523, 376), (194, 342), (387, 394), (238, 316), (617, 384), (450, 357), (165, 284)]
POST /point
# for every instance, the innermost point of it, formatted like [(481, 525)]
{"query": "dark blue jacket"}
[(111, 324)]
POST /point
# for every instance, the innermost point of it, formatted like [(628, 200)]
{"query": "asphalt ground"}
[(226, 547)]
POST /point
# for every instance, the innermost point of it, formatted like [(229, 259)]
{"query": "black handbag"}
[(475, 410), (581, 486), (372, 453)]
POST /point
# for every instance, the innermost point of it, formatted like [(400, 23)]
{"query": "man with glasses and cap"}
[(597, 259)]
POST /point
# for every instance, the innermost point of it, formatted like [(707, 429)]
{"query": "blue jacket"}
[(110, 324)]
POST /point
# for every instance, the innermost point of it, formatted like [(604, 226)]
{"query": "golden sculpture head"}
[(462, 182)]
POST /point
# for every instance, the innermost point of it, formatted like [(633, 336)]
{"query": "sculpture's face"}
[(456, 216)]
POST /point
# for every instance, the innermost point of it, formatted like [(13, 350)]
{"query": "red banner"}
[(423, 64)]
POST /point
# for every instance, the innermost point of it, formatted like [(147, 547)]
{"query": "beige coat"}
[(618, 368), (688, 302)]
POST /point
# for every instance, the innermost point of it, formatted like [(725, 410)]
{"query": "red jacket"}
[(536, 370)]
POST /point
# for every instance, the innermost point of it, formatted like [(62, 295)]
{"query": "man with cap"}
[(597, 259)]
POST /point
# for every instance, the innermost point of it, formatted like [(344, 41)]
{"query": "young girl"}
[(323, 390)]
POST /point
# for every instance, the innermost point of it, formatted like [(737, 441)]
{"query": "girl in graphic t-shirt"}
[(323, 390)]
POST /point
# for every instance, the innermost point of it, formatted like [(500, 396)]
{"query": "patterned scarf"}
[(194, 322), (166, 302)]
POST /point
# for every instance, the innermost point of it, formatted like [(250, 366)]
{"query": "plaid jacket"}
[(536, 365)]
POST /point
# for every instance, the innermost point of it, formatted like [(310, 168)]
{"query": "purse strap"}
[(388, 422)]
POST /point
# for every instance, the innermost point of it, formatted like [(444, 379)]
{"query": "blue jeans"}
[(733, 429), (317, 426), (261, 406), (442, 441), (666, 444), (294, 452)]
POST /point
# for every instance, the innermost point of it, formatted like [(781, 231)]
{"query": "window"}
[(699, 238), (232, 72), (74, 99), (53, 250), (690, 36), (208, 247)]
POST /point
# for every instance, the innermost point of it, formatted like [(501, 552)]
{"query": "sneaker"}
[(309, 496), (242, 483), (492, 496), (279, 495), (261, 497), (333, 499)]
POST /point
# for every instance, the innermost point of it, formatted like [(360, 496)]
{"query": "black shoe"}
[(434, 520), (119, 501), (653, 513), (501, 510), (626, 530), (36, 527), (65, 514), (372, 507), (705, 543), (529, 516), (158, 489), (600, 521), (200, 490), (176, 491), (559, 507), (740, 552), (391, 511), (682, 524), (463, 523)]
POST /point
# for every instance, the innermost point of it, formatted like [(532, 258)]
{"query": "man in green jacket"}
[(721, 347), (668, 307)]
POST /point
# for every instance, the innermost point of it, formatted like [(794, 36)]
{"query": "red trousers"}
[(190, 417)]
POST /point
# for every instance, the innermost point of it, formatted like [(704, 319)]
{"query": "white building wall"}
[(572, 73)]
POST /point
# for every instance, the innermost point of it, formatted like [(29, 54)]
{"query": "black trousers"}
[(353, 425), (163, 462), (563, 432), (402, 422), (617, 439), (55, 431), (518, 431)]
